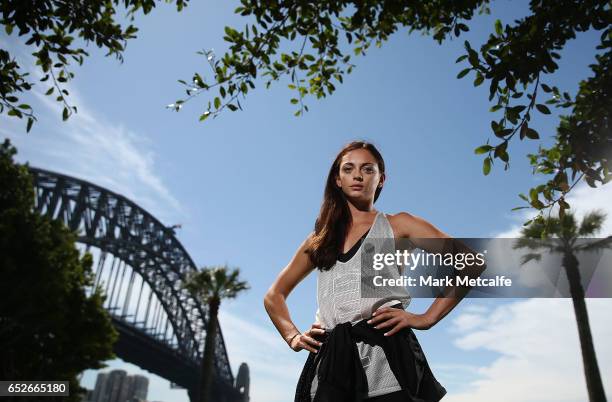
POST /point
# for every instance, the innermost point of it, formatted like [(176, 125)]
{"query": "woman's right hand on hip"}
[(306, 340)]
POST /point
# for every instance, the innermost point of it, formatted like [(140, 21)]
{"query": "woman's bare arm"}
[(275, 298), (418, 230)]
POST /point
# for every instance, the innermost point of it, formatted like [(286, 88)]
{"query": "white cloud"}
[(539, 351), (535, 340), (467, 321), (91, 147)]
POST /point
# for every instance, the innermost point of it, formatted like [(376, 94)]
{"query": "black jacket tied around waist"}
[(342, 378)]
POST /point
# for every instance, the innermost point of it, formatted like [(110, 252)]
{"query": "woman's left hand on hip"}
[(396, 319)]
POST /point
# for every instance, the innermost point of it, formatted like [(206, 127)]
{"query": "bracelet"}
[(290, 340)]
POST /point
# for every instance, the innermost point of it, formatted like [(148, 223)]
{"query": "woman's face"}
[(359, 175)]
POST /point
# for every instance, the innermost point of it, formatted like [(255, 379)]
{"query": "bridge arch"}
[(110, 225)]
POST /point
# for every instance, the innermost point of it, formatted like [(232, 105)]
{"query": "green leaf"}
[(486, 166), (503, 133), (294, 101), (65, 114), (204, 116), (14, 112), (198, 79), (30, 122), (523, 131), (230, 32), (533, 194), (494, 126), (564, 204), (543, 108), (498, 27), (463, 73), (493, 88), (503, 155), (531, 133), (217, 102), (482, 149)]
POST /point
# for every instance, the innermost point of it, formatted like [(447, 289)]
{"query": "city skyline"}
[(118, 386)]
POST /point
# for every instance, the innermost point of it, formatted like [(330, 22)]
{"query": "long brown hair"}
[(335, 218)]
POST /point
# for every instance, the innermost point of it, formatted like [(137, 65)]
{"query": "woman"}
[(347, 218)]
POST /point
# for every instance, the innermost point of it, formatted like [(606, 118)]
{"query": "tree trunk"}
[(207, 370), (595, 387)]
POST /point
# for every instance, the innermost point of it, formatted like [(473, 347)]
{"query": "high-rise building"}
[(87, 396), (125, 390), (116, 380), (99, 393), (140, 387), (117, 386)]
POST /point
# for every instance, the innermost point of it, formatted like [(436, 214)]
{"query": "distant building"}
[(99, 393), (87, 396), (117, 386), (115, 382), (140, 387)]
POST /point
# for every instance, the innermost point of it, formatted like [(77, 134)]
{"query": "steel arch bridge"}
[(161, 327)]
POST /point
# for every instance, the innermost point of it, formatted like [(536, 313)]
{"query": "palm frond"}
[(216, 282), (529, 257), (600, 244), (591, 223), (534, 243)]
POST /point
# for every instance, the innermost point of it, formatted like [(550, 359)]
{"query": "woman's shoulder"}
[(310, 237), (409, 225), (307, 242), (403, 223), (399, 215)]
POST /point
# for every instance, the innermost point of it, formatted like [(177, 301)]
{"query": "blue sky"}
[(247, 186)]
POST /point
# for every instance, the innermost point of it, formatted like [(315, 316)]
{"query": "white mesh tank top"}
[(340, 299)]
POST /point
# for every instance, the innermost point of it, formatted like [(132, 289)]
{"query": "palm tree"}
[(211, 285), (539, 235)]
